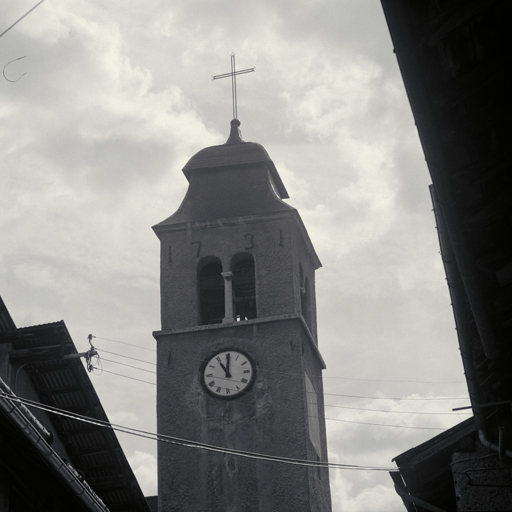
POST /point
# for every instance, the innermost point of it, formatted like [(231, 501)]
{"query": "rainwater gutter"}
[(498, 448), (65, 473), (467, 274), (457, 289)]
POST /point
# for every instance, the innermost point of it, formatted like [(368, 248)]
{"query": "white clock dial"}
[(228, 374)]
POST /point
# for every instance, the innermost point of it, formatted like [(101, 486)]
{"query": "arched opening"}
[(211, 293), (244, 288)]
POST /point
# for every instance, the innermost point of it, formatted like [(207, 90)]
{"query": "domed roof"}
[(234, 152)]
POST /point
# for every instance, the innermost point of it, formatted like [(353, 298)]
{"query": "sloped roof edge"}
[(64, 472)]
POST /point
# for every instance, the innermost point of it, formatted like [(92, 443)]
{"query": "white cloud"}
[(374, 445), (144, 466), (118, 96), (123, 418), (371, 499)]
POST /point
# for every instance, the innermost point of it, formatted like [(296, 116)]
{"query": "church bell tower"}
[(238, 362)]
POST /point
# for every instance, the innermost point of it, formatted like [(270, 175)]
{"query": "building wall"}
[(16, 377), (269, 240), (482, 481), (231, 211), (270, 419)]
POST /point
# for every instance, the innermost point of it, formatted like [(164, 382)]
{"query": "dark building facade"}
[(454, 57), (238, 359), (53, 461)]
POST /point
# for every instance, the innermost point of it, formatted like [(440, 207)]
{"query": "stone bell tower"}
[(238, 360)]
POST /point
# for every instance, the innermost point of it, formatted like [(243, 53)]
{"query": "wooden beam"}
[(437, 28), (36, 354)]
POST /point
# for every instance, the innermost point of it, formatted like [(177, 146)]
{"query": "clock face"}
[(228, 374)]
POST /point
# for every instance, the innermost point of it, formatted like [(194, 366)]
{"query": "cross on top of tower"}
[(233, 74)]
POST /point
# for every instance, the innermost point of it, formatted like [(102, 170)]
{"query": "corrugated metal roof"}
[(65, 384)]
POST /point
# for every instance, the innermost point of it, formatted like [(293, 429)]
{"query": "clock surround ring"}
[(219, 370)]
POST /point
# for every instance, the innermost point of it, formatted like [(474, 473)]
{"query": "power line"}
[(127, 357), (325, 394), (125, 343), (325, 405), (273, 371), (392, 412), (125, 376), (16, 22), (397, 381), (384, 425), (186, 442), (129, 366), (330, 419), (396, 398)]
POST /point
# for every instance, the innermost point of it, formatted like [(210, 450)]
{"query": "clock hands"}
[(226, 368)]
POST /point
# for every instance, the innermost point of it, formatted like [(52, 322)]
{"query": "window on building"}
[(244, 288), (305, 301), (211, 292), (313, 415)]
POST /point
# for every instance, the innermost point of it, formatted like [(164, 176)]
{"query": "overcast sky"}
[(97, 120)]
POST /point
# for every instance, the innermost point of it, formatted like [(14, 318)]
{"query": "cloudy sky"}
[(98, 118)]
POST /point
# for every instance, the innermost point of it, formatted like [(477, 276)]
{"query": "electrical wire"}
[(330, 419), (16, 22), (127, 377), (325, 394), (185, 442), (97, 366), (392, 412), (125, 343), (128, 357), (325, 405), (383, 424), (10, 62), (396, 381), (396, 398), (283, 373), (129, 366)]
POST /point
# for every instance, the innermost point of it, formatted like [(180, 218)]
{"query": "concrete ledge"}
[(267, 319)]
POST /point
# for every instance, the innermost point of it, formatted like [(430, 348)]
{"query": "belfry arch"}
[(211, 291), (244, 287)]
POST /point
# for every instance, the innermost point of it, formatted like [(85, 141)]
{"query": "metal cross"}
[(233, 81)]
